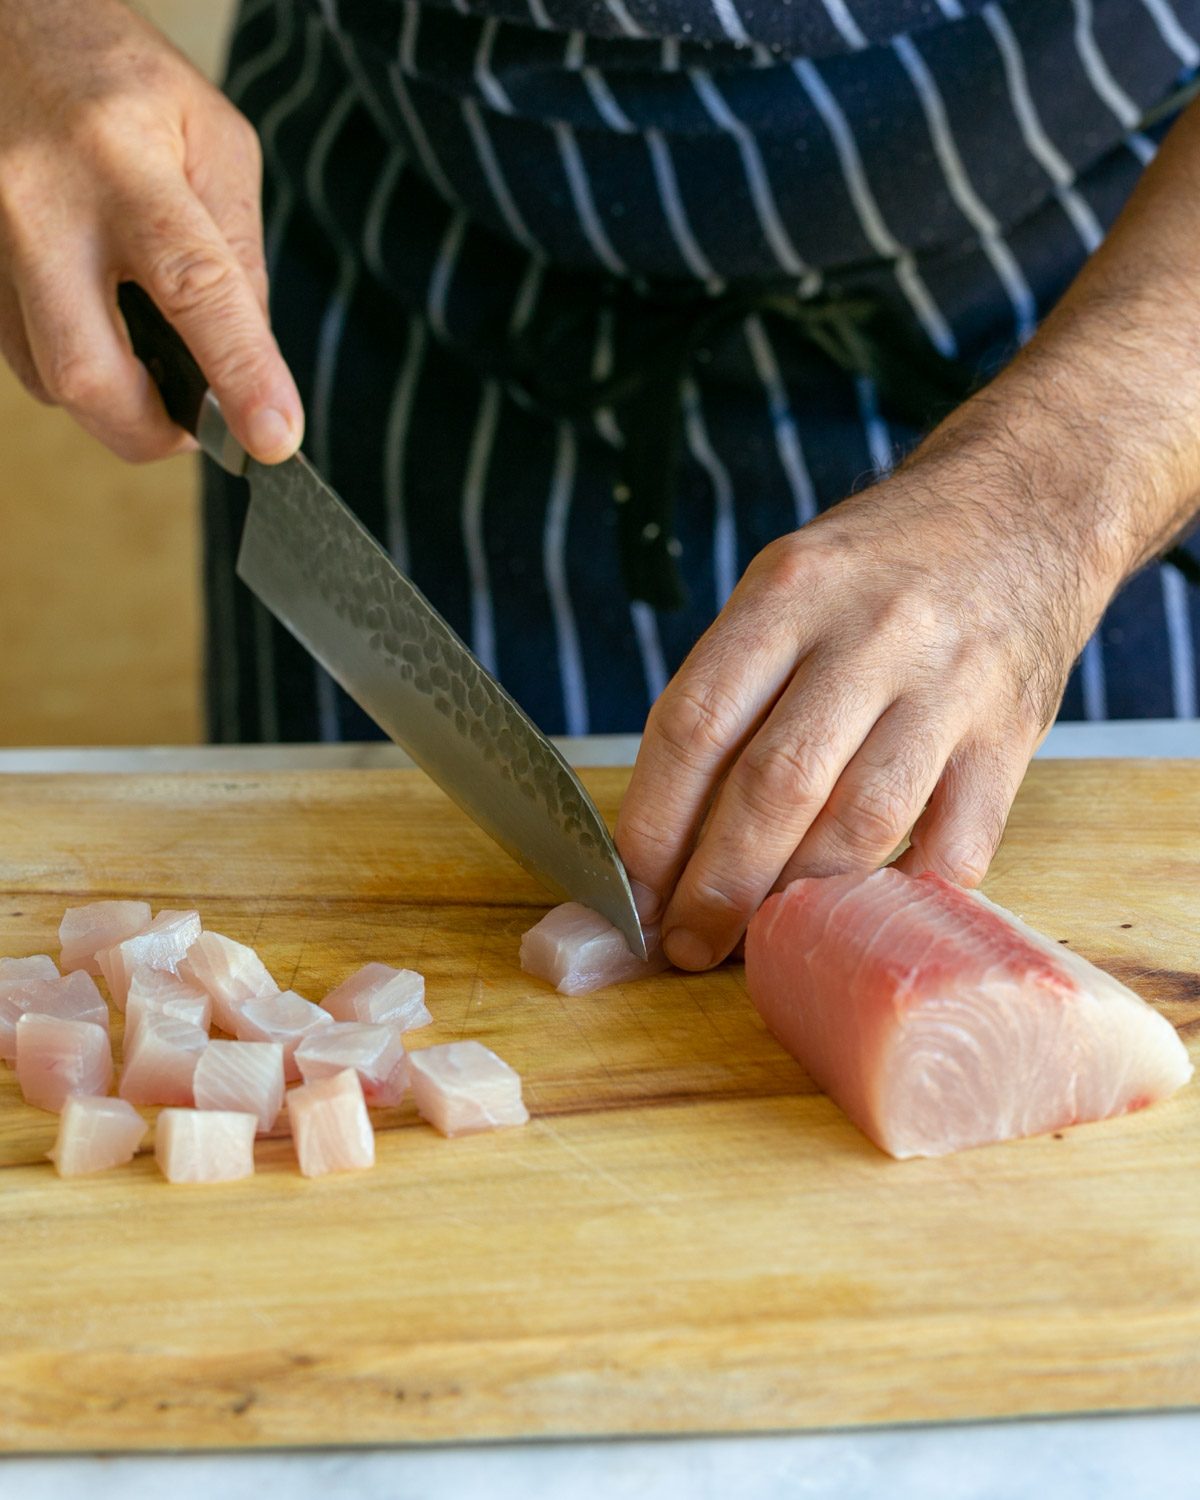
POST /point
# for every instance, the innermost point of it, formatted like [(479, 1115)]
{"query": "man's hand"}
[(893, 666), (118, 161)]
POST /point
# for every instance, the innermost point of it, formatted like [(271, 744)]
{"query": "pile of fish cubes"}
[(175, 982)]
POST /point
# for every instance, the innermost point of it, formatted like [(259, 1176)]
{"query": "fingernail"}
[(270, 433), (687, 951), (647, 902)]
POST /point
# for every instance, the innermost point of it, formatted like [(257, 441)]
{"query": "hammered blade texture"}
[(322, 573)]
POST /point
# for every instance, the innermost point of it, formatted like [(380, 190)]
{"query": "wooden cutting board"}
[(686, 1237)]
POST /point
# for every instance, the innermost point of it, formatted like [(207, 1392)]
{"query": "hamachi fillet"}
[(161, 945), (16, 975), (463, 1087), (70, 997), (376, 1053), (57, 1058), (205, 1145), (577, 950), (377, 994), (84, 930), (95, 1134), (243, 1076), (160, 1062), (230, 972), (155, 992), (938, 1021), (331, 1129), (286, 1018)]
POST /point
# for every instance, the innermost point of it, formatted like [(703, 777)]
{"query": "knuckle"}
[(784, 564), (696, 721), (776, 777), (643, 830), (875, 818), (723, 903), (75, 381), (189, 278)]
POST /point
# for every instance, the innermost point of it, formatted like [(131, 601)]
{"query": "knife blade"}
[(325, 577)]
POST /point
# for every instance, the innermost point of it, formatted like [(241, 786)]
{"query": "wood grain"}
[(686, 1237)]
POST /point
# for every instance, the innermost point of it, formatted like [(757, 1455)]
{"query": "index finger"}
[(175, 250)]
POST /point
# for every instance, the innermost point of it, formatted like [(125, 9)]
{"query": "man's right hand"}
[(120, 162)]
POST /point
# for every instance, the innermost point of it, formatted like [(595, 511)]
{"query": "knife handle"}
[(180, 381)]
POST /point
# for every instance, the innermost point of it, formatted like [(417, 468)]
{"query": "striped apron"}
[(462, 192)]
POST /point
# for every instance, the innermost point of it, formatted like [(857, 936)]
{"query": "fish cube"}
[(330, 1125), (161, 1061), (205, 1145), (376, 1053), (73, 997), (577, 950), (230, 972), (159, 993), (84, 930), (243, 1076), (462, 1087), (380, 995), (161, 945), (95, 1134), (287, 1018), (57, 1058)]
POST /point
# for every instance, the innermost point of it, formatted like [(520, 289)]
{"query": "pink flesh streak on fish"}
[(95, 1134), (161, 945), (380, 995), (205, 1145), (242, 1076), (938, 1021), (286, 1018), (84, 930), (57, 1058), (374, 1052), (577, 950), (72, 997), (331, 1129), (463, 1087), (230, 972), (160, 1062)]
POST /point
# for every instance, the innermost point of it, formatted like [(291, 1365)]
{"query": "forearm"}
[(1098, 418)]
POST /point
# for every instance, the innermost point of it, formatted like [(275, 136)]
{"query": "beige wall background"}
[(99, 561)]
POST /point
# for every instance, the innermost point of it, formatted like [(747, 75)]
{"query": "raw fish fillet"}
[(286, 1018), (462, 1087), (230, 972), (155, 992), (376, 1053), (95, 1134), (16, 975), (330, 1125), (577, 950), (381, 995), (162, 945), (937, 1020), (205, 1145), (84, 930), (243, 1076), (70, 998), (160, 1062), (57, 1058)]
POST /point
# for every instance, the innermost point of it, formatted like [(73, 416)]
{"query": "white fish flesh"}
[(462, 1087), (287, 1018), (246, 1077), (161, 945), (380, 995), (57, 1058), (84, 930), (160, 1062), (376, 1053), (155, 992), (330, 1125), (938, 1021), (205, 1145), (16, 975), (230, 972), (577, 950), (71, 997), (95, 1134)]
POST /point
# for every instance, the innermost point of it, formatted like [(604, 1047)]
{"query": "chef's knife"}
[(320, 572)]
